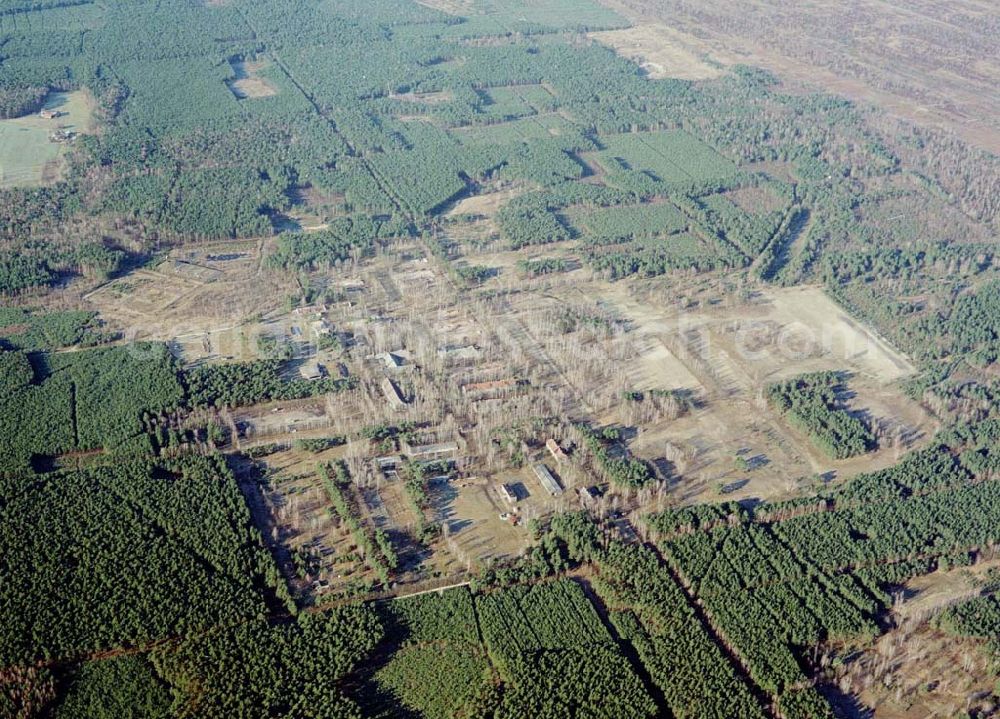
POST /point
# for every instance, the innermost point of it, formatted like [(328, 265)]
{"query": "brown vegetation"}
[(930, 65)]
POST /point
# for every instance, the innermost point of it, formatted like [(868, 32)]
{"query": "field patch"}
[(521, 130), (512, 14), (620, 224), (755, 200), (65, 18), (517, 100), (783, 333), (486, 204), (452, 7), (670, 155), (562, 14), (826, 329), (32, 148), (248, 83)]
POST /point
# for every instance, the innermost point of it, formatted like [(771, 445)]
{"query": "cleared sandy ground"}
[(660, 51), (725, 353), (486, 204)]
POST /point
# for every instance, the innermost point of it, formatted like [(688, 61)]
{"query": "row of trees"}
[(18, 101), (344, 239), (374, 544)]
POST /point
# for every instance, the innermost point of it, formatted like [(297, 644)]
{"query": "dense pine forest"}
[(146, 568)]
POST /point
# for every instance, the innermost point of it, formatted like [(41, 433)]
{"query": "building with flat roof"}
[(508, 493), (589, 495), (430, 452), (311, 370)]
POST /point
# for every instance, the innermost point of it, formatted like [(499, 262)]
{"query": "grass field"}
[(629, 222), (518, 100), (672, 155), (505, 133), (27, 156), (72, 18)]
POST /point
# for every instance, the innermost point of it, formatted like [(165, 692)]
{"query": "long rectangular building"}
[(392, 394), (547, 480)]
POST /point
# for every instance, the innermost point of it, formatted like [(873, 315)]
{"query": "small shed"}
[(311, 370), (555, 450), (589, 495)]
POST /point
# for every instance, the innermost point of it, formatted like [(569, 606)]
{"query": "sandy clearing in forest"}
[(660, 51), (842, 338), (486, 204), (249, 84), (779, 333), (724, 351)]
